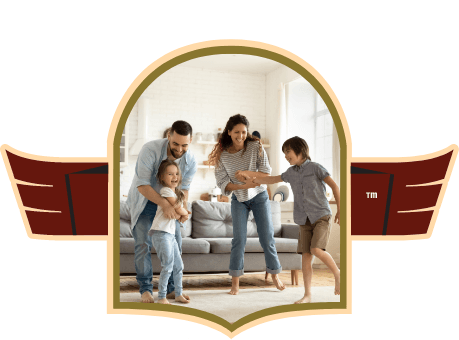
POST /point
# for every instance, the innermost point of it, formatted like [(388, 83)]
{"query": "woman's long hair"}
[(225, 141), (162, 169)]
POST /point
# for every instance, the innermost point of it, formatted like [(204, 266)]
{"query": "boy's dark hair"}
[(298, 145), (182, 128)]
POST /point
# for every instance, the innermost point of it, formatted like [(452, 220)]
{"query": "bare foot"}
[(234, 291), (164, 302), (147, 297), (277, 282), (234, 286), (304, 299), (337, 281), (182, 299), (171, 296)]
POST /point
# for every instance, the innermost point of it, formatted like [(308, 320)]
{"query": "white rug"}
[(234, 307)]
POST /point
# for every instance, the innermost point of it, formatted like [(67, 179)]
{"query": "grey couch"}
[(207, 239)]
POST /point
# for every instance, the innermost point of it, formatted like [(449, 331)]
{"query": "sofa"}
[(207, 239)]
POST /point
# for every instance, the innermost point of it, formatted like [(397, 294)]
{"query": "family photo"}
[(230, 190)]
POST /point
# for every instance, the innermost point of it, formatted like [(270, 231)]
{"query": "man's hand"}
[(337, 217), (170, 213)]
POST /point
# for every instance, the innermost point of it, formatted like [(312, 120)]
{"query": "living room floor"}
[(320, 278)]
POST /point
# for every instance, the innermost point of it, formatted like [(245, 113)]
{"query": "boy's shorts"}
[(314, 235)]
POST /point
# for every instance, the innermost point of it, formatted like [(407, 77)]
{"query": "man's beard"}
[(174, 154)]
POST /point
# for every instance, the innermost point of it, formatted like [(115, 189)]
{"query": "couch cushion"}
[(213, 220), (195, 246), (125, 228), (189, 246), (124, 211), (223, 245)]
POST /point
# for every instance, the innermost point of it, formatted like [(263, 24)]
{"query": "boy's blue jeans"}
[(261, 208), (171, 261), (143, 244)]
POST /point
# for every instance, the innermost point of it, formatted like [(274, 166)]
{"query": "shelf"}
[(205, 142)]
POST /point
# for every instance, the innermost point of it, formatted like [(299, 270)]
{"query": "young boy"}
[(311, 209)]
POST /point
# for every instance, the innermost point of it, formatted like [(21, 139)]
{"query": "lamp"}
[(214, 193)]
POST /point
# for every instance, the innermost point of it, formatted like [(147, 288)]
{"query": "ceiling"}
[(234, 63)]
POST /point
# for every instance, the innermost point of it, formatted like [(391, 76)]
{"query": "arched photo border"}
[(119, 120)]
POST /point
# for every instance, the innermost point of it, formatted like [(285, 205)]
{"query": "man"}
[(143, 199)]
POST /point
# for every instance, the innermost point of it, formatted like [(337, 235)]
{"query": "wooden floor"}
[(320, 277)]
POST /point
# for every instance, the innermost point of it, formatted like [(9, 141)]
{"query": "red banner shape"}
[(62, 198), (408, 193)]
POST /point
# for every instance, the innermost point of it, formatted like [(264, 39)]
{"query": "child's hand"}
[(337, 217), (183, 218)]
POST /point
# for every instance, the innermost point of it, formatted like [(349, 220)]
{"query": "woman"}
[(237, 156)]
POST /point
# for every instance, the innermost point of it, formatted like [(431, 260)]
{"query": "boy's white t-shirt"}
[(161, 222)]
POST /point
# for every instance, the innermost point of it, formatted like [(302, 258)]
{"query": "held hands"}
[(249, 181), (241, 176)]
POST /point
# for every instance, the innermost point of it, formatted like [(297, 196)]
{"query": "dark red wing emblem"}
[(396, 198), (62, 198)]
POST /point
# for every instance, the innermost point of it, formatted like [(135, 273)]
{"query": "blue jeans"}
[(171, 261), (261, 209), (143, 244)]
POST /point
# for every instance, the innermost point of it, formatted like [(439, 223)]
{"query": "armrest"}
[(290, 230)]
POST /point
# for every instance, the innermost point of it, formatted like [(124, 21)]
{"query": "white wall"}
[(283, 74), (205, 99)]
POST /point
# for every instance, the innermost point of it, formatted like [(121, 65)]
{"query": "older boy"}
[(311, 210)]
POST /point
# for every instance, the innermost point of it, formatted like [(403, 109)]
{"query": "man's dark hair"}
[(298, 145), (182, 128)]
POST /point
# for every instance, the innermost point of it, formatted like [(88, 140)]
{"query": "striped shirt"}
[(249, 160)]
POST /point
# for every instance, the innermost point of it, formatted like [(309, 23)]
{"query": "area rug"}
[(234, 307)]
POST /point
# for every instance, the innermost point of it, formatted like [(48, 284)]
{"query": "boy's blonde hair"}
[(162, 169), (298, 145)]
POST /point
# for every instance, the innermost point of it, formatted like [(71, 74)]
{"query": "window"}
[(309, 118)]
